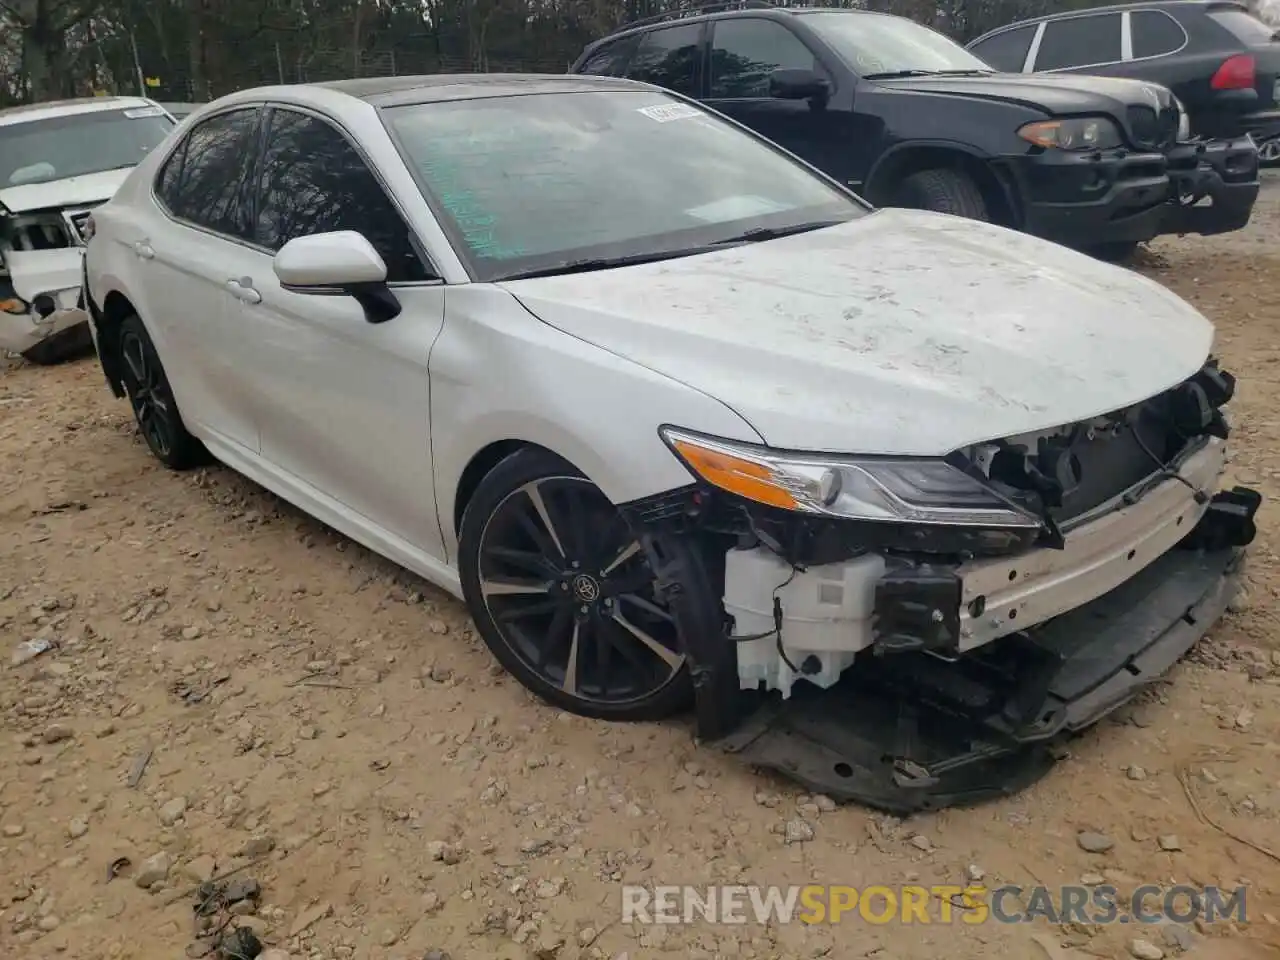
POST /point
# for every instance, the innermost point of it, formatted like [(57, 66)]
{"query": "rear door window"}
[(1154, 34), (1079, 42), (611, 59), (1006, 51), (745, 52), (670, 57)]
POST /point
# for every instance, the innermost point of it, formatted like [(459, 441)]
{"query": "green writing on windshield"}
[(445, 162)]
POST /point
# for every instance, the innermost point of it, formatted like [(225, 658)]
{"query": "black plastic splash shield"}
[(910, 732)]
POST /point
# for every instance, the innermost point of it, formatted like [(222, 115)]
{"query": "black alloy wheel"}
[(154, 408), (564, 595)]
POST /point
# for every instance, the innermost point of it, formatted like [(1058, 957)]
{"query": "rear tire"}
[(154, 408), (65, 345), (1117, 251), (944, 191)]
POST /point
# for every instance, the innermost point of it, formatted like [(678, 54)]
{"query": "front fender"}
[(498, 373), (896, 154)]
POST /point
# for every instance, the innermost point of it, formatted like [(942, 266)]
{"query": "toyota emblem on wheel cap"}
[(586, 588)]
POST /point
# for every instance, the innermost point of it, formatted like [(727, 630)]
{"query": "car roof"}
[(397, 91), (382, 92), (729, 11), (67, 108), (1121, 8)]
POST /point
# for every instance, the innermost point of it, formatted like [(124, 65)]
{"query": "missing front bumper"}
[(912, 732)]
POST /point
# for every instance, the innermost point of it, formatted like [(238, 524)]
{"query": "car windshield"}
[(37, 151), (555, 182), (882, 45)]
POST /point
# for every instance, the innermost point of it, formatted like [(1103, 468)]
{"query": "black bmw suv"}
[(907, 117)]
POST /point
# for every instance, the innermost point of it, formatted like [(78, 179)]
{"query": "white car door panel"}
[(197, 321), (343, 404), (183, 256)]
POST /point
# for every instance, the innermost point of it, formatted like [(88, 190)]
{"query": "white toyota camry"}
[(681, 419)]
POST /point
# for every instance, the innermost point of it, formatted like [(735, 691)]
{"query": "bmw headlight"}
[(1073, 133), (881, 489)]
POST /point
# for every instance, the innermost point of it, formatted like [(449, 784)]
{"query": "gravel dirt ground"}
[(233, 683)]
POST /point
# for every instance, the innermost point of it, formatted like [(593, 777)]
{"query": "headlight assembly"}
[(1074, 133), (879, 489)]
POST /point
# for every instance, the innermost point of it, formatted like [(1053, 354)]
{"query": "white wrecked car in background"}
[(58, 161)]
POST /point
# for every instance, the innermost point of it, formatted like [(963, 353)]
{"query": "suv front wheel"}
[(943, 191)]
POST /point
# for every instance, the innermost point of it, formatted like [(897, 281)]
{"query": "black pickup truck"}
[(907, 117)]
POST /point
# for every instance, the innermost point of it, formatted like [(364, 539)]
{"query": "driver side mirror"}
[(793, 83), (341, 262)]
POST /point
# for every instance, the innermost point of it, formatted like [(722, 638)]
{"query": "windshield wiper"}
[(588, 264), (894, 74), (757, 234)]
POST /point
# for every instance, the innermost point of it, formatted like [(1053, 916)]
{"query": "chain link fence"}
[(316, 66)]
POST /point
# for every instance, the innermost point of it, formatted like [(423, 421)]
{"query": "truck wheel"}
[(66, 345), (943, 191), (1115, 252)]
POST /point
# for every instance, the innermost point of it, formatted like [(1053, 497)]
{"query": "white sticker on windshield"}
[(137, 113), (738, 207), (670, 111)]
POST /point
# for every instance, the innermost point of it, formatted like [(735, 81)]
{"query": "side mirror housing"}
[(793, 83), (328, 261), (341, 262)]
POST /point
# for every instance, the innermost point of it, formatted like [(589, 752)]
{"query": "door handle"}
[(144, 250), (243, 289)]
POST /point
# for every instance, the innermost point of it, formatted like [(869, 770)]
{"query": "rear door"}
[(1084, 43), (201, 220), (1007, 50)]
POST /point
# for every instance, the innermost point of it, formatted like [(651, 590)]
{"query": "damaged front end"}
[(41, 306), (1001, 600)]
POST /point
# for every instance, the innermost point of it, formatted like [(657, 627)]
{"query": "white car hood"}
[(68, 192), (902, 332)]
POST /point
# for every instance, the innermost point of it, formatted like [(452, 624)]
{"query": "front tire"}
[(563, 595), (944, 191), (156, 411)]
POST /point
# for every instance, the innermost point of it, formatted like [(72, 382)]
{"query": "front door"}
[(744, 53), (344, 404)]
